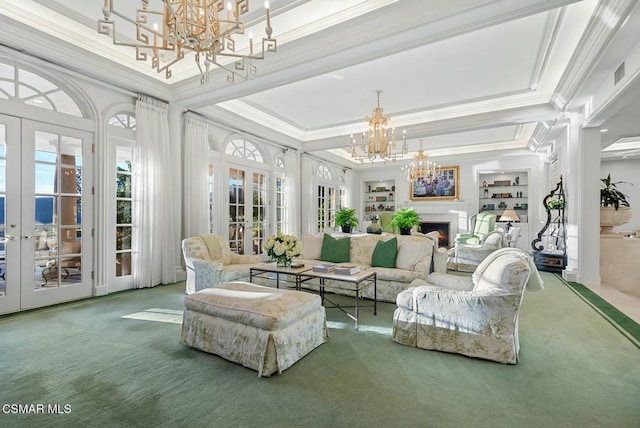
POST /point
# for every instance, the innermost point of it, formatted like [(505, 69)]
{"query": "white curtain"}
[(292, 195), (154, 237), (196, 166), (309, 209)]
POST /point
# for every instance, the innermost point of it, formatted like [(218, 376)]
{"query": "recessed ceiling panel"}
[(491, 62)]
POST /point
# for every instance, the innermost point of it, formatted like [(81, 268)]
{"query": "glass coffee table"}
[(263, 270), (355, 282)]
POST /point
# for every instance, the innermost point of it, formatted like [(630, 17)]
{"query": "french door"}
[(248, 210), (46, 212)]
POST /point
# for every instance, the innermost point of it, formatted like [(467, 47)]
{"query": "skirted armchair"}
[(466, 257), (209, 262), (475, 316)]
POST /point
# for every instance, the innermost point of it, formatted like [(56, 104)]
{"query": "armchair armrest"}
[(477, 253), (207, 273), (467, 311), (452, 282)]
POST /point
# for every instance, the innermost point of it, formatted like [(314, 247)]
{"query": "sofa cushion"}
[(335, 250), (362, 249), (384, 253), (311, 247), (410, 253)]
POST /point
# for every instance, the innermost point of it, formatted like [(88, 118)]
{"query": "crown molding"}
[(602, 26)]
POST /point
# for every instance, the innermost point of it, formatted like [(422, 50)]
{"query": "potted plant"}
[(346, 219), (404, 219), (614, 207)]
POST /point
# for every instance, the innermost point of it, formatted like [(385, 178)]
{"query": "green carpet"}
[(620, 321), (115, 361)]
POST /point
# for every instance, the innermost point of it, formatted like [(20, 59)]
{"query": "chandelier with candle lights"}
[(379, 140), (179, 27), (421, 168)]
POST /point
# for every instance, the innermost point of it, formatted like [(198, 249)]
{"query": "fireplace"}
[(442, 227)]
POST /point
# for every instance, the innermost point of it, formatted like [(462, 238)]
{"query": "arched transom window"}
[(324, 173), (31, 89), (123, 120), (244, 149)]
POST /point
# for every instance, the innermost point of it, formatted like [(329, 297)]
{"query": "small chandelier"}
[(183, 26), (421, 168), (379, 141)]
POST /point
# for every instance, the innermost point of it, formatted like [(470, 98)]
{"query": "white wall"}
[(468, 202), (626, 170)]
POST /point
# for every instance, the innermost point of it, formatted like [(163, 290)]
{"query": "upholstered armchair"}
[(466, 257), (475, 316), (209, 262), (479, 226)]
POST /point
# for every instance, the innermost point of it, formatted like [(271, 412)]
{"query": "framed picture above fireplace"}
[(443, 185)]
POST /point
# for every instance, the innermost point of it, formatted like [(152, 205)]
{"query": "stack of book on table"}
[(326, 267), (347, 269)]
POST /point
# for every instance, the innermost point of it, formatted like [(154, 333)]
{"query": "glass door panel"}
[(259, 223), (54, 183), (237, 186), (256, 206)]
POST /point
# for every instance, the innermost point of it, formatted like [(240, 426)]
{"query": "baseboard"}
[(100, 290)]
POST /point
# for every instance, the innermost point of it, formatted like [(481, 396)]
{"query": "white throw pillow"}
[(311, 247), (409, 254)]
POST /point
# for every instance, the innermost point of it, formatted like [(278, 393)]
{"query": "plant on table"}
[(282, 248), (346, 219), (405, 219)]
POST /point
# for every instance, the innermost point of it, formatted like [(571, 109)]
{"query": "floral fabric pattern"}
[(262, 328), (480, 322)]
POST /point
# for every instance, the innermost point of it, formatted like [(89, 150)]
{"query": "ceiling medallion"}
[(203, 27), (379, 141), (421, 168)]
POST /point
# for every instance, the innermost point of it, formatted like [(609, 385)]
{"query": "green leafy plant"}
[(555, 204), (346, 217), (610, 196), (405, 218)]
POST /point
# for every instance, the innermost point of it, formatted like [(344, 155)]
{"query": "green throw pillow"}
[(335, 250), (384, 254)]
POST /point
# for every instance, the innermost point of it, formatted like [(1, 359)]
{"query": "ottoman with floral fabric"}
[(262, 328)]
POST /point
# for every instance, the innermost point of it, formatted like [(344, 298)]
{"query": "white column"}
[(582, 183)]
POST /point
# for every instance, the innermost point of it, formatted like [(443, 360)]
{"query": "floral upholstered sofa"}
[(417, 256), (209, 262)]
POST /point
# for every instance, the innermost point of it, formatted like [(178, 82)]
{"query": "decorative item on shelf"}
[(483, 208), (502, 205), (166, 36), (491, 206), (393, 188), (282, 248), (374, 227), (524, 206), (346, 219), (369, 187), (517, 181), (404, 219), (614, 207), (484, 184), (390, 196), (486, 193), (379, 140), (509, 216), (550, 246)]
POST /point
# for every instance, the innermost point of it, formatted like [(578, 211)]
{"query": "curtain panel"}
[(154, 237), (196, 166)]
